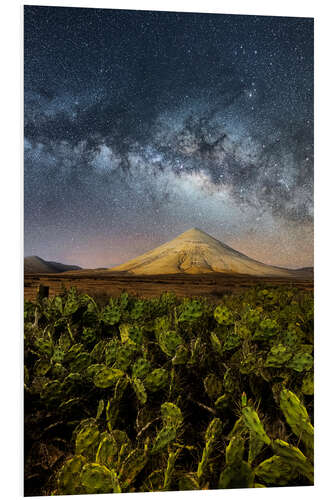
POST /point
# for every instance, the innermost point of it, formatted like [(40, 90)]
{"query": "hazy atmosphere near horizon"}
[(141, 125)]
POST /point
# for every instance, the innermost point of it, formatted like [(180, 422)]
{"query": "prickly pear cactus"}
[(96, 478), (169, 341), (125, 356), (268, 328), (171, 415), (111, 315), (252, 421), (141, 368), (192, 311), (107, 451), (235, 450), (131, 467), (278, 356), (308, 385), (107, 377), (139, 390), (275, 471), (223, 316), (165, 436), (181, 356), (212, 434), (301, 361), (156, 380), (213, 386), (237, 476), (87, 441), (297, 417), (69, 476)]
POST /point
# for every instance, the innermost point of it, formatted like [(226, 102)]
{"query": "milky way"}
[(140, 125)]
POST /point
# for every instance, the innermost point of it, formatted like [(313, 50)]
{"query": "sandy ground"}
[(101, 283)]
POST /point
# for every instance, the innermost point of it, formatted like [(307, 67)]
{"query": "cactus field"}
[(167, 393)]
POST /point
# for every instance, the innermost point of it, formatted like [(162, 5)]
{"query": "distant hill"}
[(195, 252), (35, 264)]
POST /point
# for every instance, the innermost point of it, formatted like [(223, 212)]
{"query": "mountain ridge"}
[(35, 264), (196, 252)]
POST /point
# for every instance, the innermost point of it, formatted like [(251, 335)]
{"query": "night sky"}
[(140, 125)]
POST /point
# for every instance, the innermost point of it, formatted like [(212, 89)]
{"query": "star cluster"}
[(140, 125)]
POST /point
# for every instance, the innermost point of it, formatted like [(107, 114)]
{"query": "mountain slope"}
[(195, 252), (35, 264)]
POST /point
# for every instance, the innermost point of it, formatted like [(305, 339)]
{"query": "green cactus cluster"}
[(169, 394)]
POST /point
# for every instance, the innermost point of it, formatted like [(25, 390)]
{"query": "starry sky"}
[(140, 125)]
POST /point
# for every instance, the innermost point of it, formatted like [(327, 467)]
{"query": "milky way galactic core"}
[(140, 125)]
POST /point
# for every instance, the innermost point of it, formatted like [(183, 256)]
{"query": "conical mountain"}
[(195, 252)]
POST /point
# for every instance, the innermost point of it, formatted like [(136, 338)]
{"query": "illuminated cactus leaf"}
[(267, 329), (125, 354), (213, 431), (213, 386), (98, 352), (72, 384), (110, 351), (139, 390), (132, 466), (171, 415), (308, 385), (154, 482), (222, 402), (87, 440), (181, 356), (297, 417), (64, 341), (73, 352), (236, 476), (163, 438), (80, 363), (141, 368), (89, 336), (136, 334), (71, 306), (216, 343), (111, 411), (111, 315), (278, 356), (58, 355), (235, 450), (100, 408), (69, 476), (239, 428), (42, 366), (107, 451), (223, 316), (254, 425), (192, 311), (293, 455), (157, 379), (169, 341), (301, 361), (232, 341), (170, 469), (44, 347), (275, 471), (96, 478), (124, 329), (189, 482), (52, 391), (255, 446), (107, 377), (93, 369), (230, 384)]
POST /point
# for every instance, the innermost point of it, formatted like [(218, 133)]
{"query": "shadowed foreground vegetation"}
[(168, 394)]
